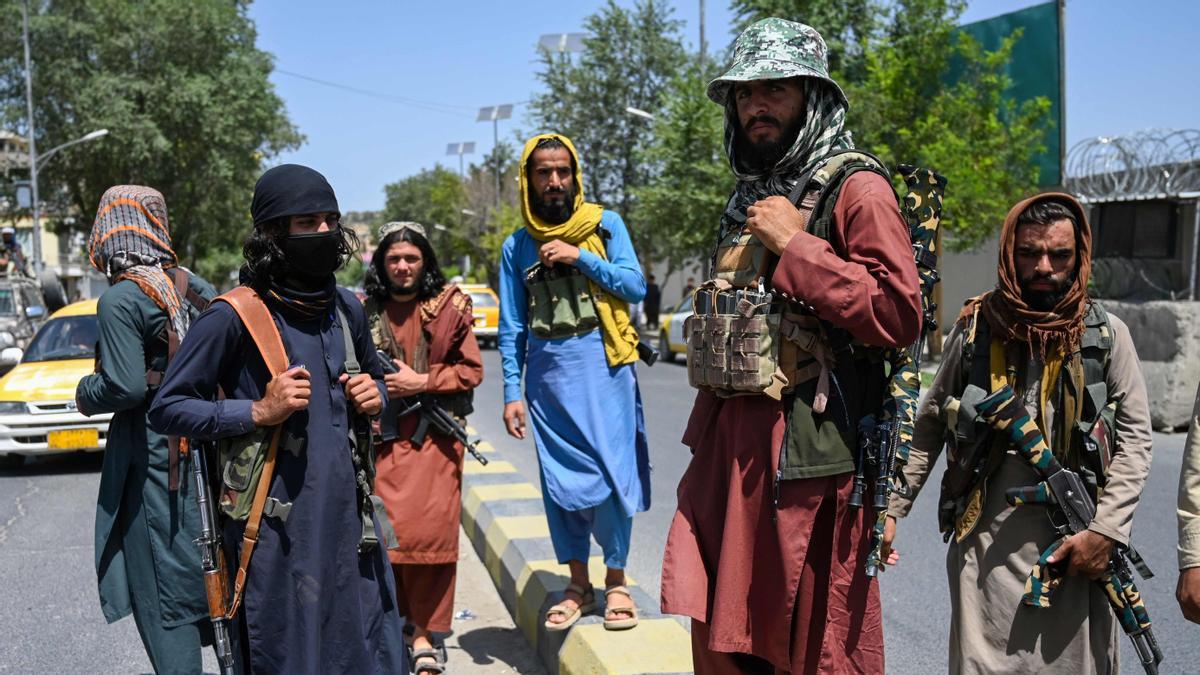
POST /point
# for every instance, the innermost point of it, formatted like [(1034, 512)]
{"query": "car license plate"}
[(73, 439)]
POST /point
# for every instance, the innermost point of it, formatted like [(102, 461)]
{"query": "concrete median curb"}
[(504, 518)]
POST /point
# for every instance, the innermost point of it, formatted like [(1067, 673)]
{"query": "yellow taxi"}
[(486, 309), (37, 397), (671, 340)]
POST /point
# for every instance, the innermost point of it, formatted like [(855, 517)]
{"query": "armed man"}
[(423, 325), (146, 562), (1076, 374), (281, 373), (566, 282), (1187, 590), (812, 277)]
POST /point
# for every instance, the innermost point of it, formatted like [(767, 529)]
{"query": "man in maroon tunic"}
[(763, 554), (424, 324)]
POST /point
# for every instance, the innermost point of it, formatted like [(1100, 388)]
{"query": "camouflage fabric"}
[(774, 49), (1005, 413)]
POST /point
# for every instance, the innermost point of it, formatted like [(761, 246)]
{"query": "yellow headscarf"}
[(583, 230)]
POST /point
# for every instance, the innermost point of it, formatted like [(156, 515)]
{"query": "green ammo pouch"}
[(560, 302), (242, 459)]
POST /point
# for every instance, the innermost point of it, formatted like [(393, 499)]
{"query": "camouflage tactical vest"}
[(459, 404), (745, 339), (972, 451)]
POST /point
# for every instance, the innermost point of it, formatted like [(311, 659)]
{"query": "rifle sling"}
[(261, 326)]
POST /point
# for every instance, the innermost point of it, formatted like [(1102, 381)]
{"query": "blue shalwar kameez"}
[(586, 415), (313, 603)]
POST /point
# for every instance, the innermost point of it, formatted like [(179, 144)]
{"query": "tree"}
[(182, 90), (628, 58), (903, 109), (682, 202)]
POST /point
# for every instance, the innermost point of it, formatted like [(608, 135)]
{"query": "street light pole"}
[(33, 168)]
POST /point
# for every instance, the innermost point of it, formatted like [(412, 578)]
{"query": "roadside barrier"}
[(504, 518)]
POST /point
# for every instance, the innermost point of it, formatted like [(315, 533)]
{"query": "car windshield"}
[(685, 306), (8, 304), (68, 337), (479, 299)]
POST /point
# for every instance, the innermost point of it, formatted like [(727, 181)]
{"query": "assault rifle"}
[(885, 439), (1070, 507), (212, 560), (432, 414)]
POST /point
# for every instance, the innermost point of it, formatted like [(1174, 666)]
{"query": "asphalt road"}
[(915, 596)]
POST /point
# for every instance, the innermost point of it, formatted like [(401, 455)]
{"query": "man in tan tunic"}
[(1073, 364), (1188, 590)]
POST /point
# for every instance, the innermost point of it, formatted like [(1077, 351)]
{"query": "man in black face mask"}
[(319, 595)]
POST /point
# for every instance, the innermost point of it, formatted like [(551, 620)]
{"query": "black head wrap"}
[(291, 190)]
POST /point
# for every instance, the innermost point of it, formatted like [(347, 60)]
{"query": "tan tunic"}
[(991, 631), (1189, 495)]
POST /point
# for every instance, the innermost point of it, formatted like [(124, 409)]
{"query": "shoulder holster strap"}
[(257, 319)]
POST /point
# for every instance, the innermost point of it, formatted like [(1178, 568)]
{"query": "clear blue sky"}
[(1130, 66)]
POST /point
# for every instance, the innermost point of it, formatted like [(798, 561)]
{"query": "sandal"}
[(619, 618), (436, 668), (572, 614)]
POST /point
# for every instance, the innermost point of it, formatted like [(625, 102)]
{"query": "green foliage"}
[(352, 273), (629, 56), (182, 90), (692, 181), (902, 109)]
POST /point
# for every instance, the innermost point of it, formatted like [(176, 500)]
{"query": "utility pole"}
[(702, 45), (33, 168), (495, 113)]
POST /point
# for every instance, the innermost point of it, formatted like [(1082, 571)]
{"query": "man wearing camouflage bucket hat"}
[(813, 275)]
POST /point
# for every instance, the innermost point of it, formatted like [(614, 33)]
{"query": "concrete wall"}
[(1167, 337)]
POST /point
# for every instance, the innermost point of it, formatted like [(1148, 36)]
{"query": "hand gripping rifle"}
[(212, 560), (432, 414), (885, 439), (1069, 505)]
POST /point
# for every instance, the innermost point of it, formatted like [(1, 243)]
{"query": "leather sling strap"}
[(258, 322)]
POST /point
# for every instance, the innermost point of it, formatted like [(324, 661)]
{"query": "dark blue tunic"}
[(313, 603)]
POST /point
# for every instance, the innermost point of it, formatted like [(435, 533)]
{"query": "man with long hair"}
[(319, 595), (763, 553), (424, 325), (1077, 373), (566, 282), (146, 561)]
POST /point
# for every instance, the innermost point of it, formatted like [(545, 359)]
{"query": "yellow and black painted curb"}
[(505, 520)]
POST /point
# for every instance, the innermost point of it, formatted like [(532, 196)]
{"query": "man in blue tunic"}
[(318, 597), (146, 563), (566, 281)]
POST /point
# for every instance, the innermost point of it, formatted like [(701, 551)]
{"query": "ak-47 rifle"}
[(1069, 504), (885, 439), (212, 560), (432, 414)]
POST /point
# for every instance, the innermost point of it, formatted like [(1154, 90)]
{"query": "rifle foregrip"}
[(216, 586)]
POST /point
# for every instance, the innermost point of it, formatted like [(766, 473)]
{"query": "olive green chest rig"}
[(743, 337), (1085, 444)]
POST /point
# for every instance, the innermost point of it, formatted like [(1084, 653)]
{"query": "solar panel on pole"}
[(493, 114)]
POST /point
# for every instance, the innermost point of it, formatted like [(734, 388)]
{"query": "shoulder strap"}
[(831, 176), (352, 366), (257, 318)]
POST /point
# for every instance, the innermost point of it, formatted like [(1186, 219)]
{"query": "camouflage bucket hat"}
[(774, 49)]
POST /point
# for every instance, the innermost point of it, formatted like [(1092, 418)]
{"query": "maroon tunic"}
[(787, 586)]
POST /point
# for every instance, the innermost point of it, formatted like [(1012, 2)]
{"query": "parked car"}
[(37, 397), (486, 310), (24, 304), (671, 340)]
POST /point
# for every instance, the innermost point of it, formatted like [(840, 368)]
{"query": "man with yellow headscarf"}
[(567, 280)]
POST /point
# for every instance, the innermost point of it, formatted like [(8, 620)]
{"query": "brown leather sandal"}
[(572, 614), (619, 618)]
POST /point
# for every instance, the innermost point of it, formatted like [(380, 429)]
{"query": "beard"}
[(1046, 301), (764, 155), (553, 210)]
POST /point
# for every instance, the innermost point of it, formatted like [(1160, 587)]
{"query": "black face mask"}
[(314, 255)]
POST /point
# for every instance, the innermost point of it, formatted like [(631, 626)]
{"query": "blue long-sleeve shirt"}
[(620, 274)]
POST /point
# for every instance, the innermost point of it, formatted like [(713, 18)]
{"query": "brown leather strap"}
[(258, 322)]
